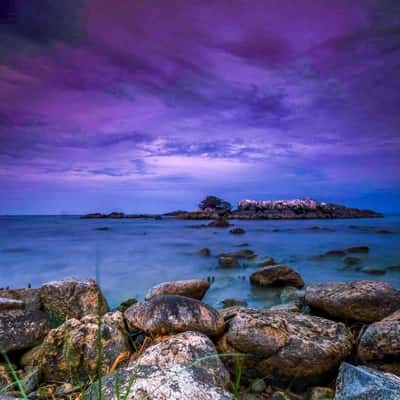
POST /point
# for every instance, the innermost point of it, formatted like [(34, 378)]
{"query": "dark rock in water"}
[(228, 262), (158, 217), (71, 351), (379, 345), (278, 275), (171, 314), (21, 329), (357, 249), (234, 302), (361, 383), (335, 253), (181, 367), (205, 251), (103, 228), (286, 344), (126, 304), (194, 288), (366, 301), (237, 231), (373, 270), (350, 261), (219, 223), (267, 263), (70, 298), (243, 245), (29, 297), (247, 254), (393, 268)]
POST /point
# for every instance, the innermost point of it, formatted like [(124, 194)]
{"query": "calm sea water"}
[(133, 255)]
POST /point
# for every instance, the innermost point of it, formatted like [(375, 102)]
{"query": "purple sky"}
[(151, 105)]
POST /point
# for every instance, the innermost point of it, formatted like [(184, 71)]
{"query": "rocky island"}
[(213, 207)]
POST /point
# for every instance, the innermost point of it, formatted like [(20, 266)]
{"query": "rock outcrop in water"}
[(215, 208)]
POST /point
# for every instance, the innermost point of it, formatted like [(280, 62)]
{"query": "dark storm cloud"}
[(282, 94)]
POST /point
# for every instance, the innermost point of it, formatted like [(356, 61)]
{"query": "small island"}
[(212, 208)]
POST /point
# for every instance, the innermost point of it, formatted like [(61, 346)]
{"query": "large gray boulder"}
[(379, 345), (361, 383), (287, 344), (180, 367), (194, 288), (22, 329), (170, 314), (71, 298), (366, 301)]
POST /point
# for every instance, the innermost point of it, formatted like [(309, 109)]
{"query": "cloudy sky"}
[(150, 105)]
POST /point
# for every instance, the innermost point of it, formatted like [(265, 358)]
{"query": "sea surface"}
[(132, 255)]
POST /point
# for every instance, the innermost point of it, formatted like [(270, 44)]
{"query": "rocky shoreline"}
[(337, 340), (213, 208)]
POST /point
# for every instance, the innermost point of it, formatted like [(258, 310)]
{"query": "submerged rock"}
[(234, 302), (71, 351), (267, 262), (171, 314), (205, 251), (22, 329), (219, 223), (373, 270), (194, 288), (379, 345), (361, 383), (287, 344), (70, 298), (237, 231), (350, 261), (228, 262), (278, 275), (366, 301)]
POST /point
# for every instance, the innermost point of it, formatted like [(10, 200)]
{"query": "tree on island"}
[(215, 204)]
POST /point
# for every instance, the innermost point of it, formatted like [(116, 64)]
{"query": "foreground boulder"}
[(180, 367), (155, 383), (361, 383), (70, 352), (187, 349), (379, 345), (366, 301), (277, 275), (194, 288), (287, 344), (171, 314), (10, 304), (22, 329), (70, 298)]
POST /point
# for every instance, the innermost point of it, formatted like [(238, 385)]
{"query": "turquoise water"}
[(133, 255)]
